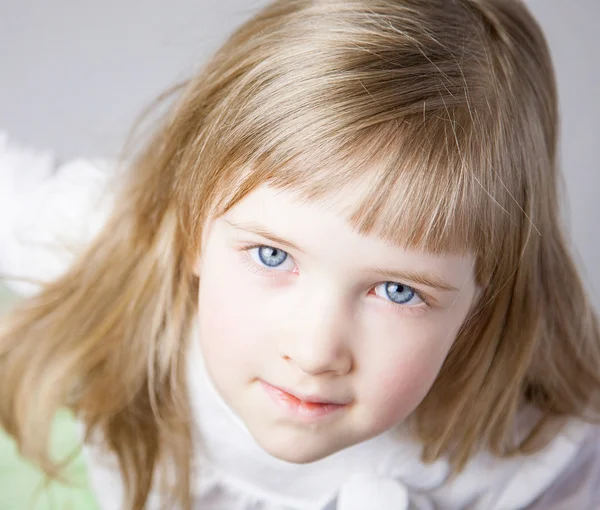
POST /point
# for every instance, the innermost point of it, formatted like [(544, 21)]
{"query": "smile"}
[(302, 407)]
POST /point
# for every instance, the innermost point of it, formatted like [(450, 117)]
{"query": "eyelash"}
[(254, 267), (270, 273)]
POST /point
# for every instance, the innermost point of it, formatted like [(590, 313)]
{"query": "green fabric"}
[(22, 485)]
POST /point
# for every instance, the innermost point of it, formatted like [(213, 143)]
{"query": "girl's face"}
[(318, 337)]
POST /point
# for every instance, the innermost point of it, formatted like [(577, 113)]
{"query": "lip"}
[(300, 406)]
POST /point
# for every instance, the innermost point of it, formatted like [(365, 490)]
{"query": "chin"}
[(296, 451)]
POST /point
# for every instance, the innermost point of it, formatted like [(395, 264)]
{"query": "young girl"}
[(333, 279)]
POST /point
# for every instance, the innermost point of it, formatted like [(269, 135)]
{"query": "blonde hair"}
[(446, 111)]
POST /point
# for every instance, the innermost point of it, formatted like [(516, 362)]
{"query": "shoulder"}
[(578, 484), (565, 474), (48, 211), (104, 474)]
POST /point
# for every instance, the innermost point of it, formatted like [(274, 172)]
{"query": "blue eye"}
[(398, 293), (271, 257)]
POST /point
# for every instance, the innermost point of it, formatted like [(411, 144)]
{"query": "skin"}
[(322, 324)]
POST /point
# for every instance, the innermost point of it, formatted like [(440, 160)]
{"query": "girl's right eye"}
[(271, 258)]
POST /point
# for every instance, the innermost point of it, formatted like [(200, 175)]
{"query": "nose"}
[(319, 341)]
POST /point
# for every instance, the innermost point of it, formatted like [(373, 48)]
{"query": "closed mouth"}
[(304, 405)]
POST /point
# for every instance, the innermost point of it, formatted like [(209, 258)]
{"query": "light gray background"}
[(74, 73)]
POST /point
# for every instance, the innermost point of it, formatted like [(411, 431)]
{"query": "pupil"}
[(399, 293), (272, 256)]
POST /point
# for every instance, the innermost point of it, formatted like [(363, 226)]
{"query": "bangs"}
[(412, 185)]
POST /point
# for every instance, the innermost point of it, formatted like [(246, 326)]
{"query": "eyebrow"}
[(418, 277), (254, 228)]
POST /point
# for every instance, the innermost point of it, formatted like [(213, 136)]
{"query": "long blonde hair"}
[(448, 111)]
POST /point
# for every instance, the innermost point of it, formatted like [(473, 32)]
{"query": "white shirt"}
[(48, 213)]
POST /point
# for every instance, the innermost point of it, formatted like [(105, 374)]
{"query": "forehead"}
[(323, 227)]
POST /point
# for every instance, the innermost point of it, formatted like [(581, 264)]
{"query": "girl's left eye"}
[(398, 293), (271, 258)]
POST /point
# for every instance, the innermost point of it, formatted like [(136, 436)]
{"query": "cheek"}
[(398, 388), (228, 328), (400, 372)]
